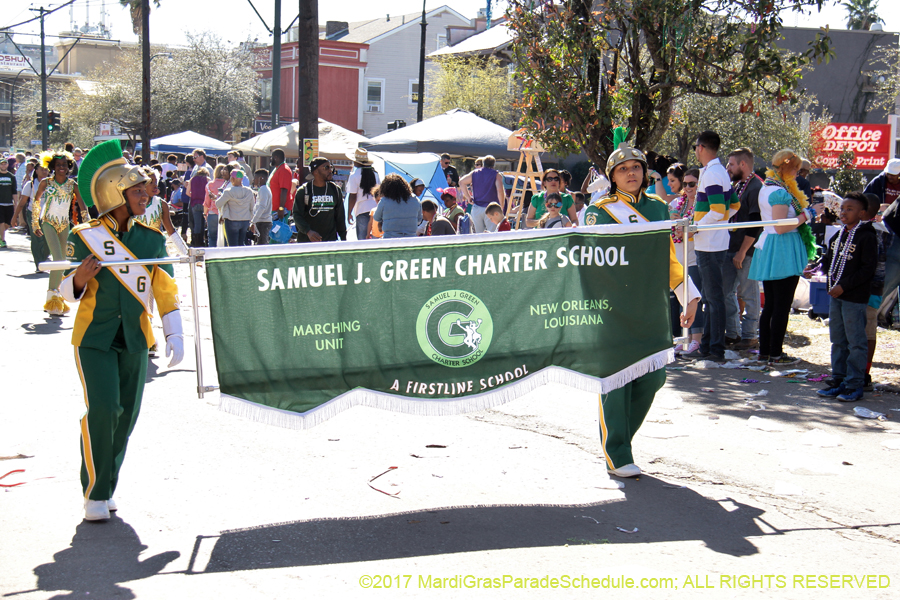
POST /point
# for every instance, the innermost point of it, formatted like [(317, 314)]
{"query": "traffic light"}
[(39, 122), (52, 120), (245, 135)]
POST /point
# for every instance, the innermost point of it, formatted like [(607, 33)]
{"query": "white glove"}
[(179, 244), (174, 337)]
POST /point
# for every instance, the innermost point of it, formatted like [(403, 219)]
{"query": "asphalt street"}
[(775, 496)]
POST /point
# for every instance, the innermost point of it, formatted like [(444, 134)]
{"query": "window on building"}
[(413, 91), (375, 95), (265, 95), (441, 42)]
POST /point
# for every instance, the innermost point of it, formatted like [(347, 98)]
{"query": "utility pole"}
[(308, 70), (145, 83), (420, 109), (45, 134), (276, 66)]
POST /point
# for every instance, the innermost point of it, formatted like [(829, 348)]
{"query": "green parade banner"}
[(438, 325)]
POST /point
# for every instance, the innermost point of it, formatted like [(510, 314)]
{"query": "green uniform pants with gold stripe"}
[(622, 412), (113, 383)]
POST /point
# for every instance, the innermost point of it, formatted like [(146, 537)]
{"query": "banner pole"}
[(195, 256), (685, 240)]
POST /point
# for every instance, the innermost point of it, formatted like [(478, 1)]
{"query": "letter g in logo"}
[(454, 326)]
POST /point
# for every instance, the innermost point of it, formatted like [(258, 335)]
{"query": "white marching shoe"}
[(111, 505), (629, 470), (96, 510)]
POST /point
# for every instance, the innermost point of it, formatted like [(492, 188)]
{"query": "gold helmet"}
[(104, 176), (623, 152)]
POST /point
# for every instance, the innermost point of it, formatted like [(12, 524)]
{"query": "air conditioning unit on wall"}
[(373, 108)]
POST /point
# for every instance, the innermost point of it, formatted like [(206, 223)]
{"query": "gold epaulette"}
[(655, 197), (605, 200), (88, 225)]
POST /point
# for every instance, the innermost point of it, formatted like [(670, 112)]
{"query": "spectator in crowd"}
[(126, 154), (197, 184), (170, 166), (674, 176), (580, 206), (682, 207), (180, 201), (398, 213), (450, 171), (850, 264), (210, 210), (319, 206), (782, 253), (361, 184), (78, 155), (236, 208), (261, 221), (375, 232), (715, 203), (551, 183), (877, 292), (24, 170), (487, 187), (437, 223), (495, 214), (886, 186), (39, 249), (9, 193), (452, 210), (418, 188), (741, 330), (552, 218), (802, 181), (200, 162), (280, 184)]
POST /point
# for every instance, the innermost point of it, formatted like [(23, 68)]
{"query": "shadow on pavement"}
[(40, 275), (50, 325), (659, 512), (102, 556)]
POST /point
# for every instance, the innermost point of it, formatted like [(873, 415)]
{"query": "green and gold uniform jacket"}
[(106, 303), (652, 208)]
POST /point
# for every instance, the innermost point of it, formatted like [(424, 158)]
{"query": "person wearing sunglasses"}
[(552, 218), (552, 184), (622, 411), (682, 207)]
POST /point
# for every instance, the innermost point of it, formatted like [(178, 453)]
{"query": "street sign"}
[(35, 142), (264, 125)]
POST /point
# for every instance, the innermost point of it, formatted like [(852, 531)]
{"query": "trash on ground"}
[(758, 368), (758, 405), (591, 518), (394, 495), (864, 413), (710, 390), (675, 487), (849, 464), (435, 446), (794, 381), (764, 424), (704, 364), (817, 378), (820, 438), (670, 368), (732, 355), (760, 393), (714, 417), (737, 364), (635, 530), (749, 381)]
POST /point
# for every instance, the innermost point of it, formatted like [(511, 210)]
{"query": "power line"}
[(38, 18)]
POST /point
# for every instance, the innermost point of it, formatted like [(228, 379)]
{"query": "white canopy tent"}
[(334, 141)]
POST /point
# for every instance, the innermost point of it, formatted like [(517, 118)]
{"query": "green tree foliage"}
[(861, 14), (655, 52), (205, 87), (477, 84), (886, 78), (847, 179), (764, 126)]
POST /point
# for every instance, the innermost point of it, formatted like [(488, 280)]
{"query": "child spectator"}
[(884, 239), (850, 264), (553, 219), (437, 223), (453, 211), (261, 222), (495, 214)]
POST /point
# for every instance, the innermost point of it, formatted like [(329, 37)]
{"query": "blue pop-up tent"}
[(186, 142), (424, 165)]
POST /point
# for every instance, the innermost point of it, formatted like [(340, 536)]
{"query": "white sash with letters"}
[(107, 247), (623, 212)]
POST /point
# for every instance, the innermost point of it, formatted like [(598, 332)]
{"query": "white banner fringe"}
[(443, 406)]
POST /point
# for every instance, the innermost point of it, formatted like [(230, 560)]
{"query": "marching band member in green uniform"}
[(622, 411), (112, 329)]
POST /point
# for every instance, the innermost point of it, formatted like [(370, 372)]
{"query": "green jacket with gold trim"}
[(106, 304)]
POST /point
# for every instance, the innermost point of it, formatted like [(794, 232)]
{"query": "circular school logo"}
[(454, 328)]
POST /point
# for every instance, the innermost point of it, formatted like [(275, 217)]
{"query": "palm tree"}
[(861, 13)]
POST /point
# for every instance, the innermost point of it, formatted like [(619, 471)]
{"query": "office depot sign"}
[(870, 143)]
